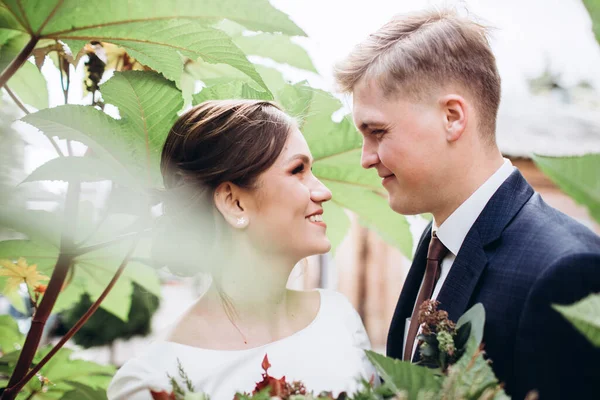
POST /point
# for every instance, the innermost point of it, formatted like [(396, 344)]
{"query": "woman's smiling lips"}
[(317, 218)]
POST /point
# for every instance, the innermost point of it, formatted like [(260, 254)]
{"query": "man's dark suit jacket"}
[(520, 256)]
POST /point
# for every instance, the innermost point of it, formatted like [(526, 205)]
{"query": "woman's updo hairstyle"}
[(217, 141)]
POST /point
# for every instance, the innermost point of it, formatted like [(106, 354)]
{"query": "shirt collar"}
[(454, 230)]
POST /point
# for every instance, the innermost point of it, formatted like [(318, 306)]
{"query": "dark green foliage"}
[(104, 328)]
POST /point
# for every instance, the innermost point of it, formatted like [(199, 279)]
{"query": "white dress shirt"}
[(454, 230)]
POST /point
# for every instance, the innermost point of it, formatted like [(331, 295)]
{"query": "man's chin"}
[(402, 208)]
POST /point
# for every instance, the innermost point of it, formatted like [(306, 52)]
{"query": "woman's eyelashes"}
[(298, 169)]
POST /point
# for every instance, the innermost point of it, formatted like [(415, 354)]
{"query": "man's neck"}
[(472, 176)]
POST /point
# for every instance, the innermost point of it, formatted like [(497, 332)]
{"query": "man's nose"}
[(369, 157)]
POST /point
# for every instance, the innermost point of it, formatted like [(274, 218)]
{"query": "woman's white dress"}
[(326, 355)]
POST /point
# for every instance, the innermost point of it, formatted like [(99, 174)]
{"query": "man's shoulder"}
[(540, 227)]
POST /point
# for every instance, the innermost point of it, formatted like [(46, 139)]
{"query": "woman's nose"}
[(320, 193)]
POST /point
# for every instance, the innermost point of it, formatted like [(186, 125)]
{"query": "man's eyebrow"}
[(302, 157)]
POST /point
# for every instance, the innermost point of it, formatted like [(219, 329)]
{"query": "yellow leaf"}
[(20, 272)]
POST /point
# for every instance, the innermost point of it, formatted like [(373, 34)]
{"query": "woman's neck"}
[(255, 285)]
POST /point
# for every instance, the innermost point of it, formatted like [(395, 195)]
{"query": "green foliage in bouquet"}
[(585, 317)]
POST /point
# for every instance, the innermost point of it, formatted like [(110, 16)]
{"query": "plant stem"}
[(81, 321), (16, 99), (16, 63), (63, 264)]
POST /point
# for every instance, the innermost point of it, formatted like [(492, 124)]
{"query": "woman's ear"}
[(455, 116), (229, 201)]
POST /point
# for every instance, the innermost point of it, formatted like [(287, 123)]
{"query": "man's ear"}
[(455, 114), (229, 200)]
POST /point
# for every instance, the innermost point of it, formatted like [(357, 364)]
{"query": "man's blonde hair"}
[(415, 53)]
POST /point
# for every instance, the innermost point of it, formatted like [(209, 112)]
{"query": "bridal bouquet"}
[(452, 367)]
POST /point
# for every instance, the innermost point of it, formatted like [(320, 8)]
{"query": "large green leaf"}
[(29, 85), (84, 392), (41, 226), (276, 47), (101, 133), (12, 46), (70, 16), (148, 105), (405, 376), (337, 222), (83, 169), (593, 7), (11, 338), (234, 89), (65, 373), (374, 212), (585, 316), (577, 177), (160, 45), (8, 21), (155, 32)]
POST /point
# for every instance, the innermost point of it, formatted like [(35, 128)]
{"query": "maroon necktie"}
[(437, 251)]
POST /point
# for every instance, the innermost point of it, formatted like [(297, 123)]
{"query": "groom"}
[(426, 92)]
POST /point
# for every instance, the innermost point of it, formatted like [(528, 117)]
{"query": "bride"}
[(244, 205)]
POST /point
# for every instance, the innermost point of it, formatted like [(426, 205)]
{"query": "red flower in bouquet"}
[(277, 387), (162, 395)]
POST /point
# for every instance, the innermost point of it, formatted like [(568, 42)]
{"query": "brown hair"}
[(217, 141), (414, 53)]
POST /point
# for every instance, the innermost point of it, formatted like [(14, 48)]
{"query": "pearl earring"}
[(242, 221)]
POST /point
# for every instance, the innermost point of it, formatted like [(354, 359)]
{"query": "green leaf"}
[(69, 17), (148, 105), (476, 316), (593, 7), (7, 34), (11, 48), (8, 20), (11, 338), (160, 45), (277, 47), (585, 316), (89, 126), (43, 227), (65, 372), (82, 169), (29, 85), (156, 33), (337, 222), (83, 392), (405, 376), (577, 177), (472, 377), (374, 212), (234, 89), (94, 274)]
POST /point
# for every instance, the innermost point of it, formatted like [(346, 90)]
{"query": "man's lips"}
[(387, 178)]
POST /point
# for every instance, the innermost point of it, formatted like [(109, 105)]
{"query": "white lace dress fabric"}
[(326, 355)]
